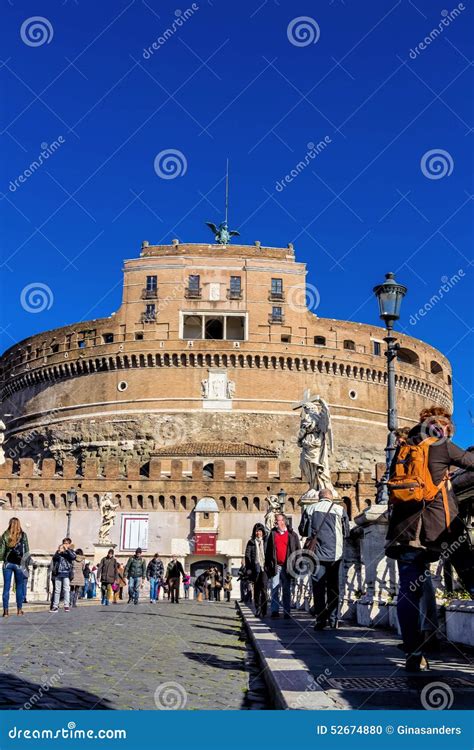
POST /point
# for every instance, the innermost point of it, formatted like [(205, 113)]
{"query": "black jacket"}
[(270, 551), (423, 525), (174, 570), (252, 566), (155, 568)]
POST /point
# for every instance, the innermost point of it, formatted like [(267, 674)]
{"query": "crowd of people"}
[(424, 523)]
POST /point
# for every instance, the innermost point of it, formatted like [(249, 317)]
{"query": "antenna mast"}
[(227, 192)]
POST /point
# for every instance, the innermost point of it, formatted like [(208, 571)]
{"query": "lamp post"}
[(282, 499), (70, 499), (389, 295)]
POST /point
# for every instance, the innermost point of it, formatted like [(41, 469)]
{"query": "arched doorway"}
[(196, 568)]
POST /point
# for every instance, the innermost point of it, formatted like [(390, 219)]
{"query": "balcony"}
[(234, 294), (273, 318), (148, 317), (193, 292), (276, 296), (149, 293)]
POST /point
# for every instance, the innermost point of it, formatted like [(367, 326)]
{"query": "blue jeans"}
[(412, 570), (134, 589), (10, 570), (281, 582), (154, 589)]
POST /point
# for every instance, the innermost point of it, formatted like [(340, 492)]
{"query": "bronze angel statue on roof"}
[(222, 234)]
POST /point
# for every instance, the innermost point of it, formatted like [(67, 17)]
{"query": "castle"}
[(190, 391)]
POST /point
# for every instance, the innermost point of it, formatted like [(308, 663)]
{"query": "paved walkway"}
[(354, 667), (125, 657)]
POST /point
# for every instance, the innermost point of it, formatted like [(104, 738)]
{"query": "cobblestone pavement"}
[(125, 657)]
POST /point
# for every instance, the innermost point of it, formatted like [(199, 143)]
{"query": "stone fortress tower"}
[(191, 389)]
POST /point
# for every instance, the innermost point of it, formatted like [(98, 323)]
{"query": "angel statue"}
[(315, 441), (107, 510), (222, 234), (274, 507)]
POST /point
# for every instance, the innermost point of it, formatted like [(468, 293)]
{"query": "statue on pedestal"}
[(107, 510), (315, 441), (274, 507)]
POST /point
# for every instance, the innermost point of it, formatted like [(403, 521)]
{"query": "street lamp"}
[(389, 295), (70, 499), (282, 499)]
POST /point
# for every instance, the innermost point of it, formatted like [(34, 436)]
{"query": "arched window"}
[(208, 471), (408, 357), (436, 368), (349, 344), (320, 341)]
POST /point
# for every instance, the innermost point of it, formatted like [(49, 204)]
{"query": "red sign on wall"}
[(205, 544)]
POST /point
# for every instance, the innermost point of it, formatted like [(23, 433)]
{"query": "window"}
[(235, 328), (151, 283), (194, 282), (81, 344), (235, 289), (149, 316), (192, 327), (350, 345), (277, 314), (134, 532), (108, 338), (54, 348), (376, 348), (276, 290), (320, 340), (214, 328), (407, 356), (229, 327), (139, 336), (285, 338), (435, 368)]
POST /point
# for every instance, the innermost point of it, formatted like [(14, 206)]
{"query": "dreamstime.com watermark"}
[(314, 149), (314, 684), (181, 17), (447, 551), (47, 150), (67, 733), (447, 17), (445, 288), (45, 687), (36, 297)]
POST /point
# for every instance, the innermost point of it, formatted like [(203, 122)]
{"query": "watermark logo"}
[(447, 17), (170, 164), (302, 563), (171, 430), (303, 297), (36, 297), (436, 164), (47, 150), (314, 149), (448, 282), (180, 19), (303, 31), (437, 696), (36, 31), (170, 696)]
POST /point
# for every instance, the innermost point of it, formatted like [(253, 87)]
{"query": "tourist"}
[(120, 583), (77, 581), (245, 590), (63, 564), (227, 586), (174, 571), (255, 568), (329, 529), (135, 571), (154, 574), (421, 528), (217, 585), (87, 575), (107, 575), (281, 546), (200, 585), (186, 585), (14, 550), (92, 588)]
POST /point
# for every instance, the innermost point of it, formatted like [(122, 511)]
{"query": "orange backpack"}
[(411, 478)]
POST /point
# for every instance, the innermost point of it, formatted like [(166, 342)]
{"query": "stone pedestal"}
[(352, 574), (460, 622), (100, 550), (380, 572)]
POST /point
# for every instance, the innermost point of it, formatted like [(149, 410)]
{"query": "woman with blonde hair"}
[(14, 552)]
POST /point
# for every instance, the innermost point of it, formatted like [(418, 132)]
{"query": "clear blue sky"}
[(231, 81)]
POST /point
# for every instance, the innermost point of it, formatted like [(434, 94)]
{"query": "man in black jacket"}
[(154, 574), (174, 572), (282, 545)]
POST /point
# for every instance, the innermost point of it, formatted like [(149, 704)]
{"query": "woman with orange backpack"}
[(424, 519)]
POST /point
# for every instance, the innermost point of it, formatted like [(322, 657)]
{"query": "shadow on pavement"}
[(16, 693)]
